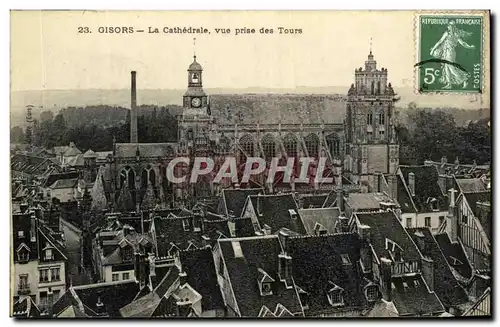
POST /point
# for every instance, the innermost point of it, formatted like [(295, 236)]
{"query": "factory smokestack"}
[(133, 109)]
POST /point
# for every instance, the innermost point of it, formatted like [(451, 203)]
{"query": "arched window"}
[(201, 142), (333, 142), (381, 118), (195, 77), (290, 144), (378, 87), (373, 87), (312, 144), (369, 119), (246, 145), (127, 177), (269, 146), (148, 175)]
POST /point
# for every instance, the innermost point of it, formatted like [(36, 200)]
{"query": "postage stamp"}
[(450, 50)]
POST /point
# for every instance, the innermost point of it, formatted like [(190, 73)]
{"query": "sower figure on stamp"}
[(445, 49)]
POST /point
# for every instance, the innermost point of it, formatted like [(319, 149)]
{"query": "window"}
[(268, 146), (335, 297), (55, 274), (464, 219), (114, 277), (371, 293), (427, 222), (290, 144), (23, 256), (23, 281), (369, 119), (44, 275), (48, 254), (127, 253), (312, 144), (20, 234), (246, 143), (381, 134), (345, 259), (408, 223), (416, 282), (266, 288), (381, 118), (185, 225), (125, 276)]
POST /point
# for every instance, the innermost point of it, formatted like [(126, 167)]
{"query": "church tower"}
[(195, 98), (371, 143)]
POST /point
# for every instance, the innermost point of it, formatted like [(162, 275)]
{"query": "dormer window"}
[(293, 214), (320, 229), (185, 225), (433, 204), (371, 292), (23, 253), (345, 259), (394, 250), (48, 254), (20, 234), (336, 296), (265, 283)]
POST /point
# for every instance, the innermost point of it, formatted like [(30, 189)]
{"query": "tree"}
[(47, 116)]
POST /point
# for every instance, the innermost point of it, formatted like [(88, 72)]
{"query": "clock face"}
[(196, 102)]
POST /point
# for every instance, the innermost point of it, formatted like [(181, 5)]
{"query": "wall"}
[(108, 274), (63, 194), (30, 268), (434, 219)]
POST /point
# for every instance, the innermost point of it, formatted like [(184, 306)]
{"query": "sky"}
[(47, 52)]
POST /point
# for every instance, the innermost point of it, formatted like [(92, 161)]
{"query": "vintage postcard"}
[(264, 164)]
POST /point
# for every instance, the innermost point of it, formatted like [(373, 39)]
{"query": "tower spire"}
[(370, 45), (194, 48)]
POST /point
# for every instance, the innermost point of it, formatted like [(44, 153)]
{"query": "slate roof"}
[(170, 230), (52, 178), (446, 286), (201, 275), (366, 201), (286, 108), (273, 210), (474, 197), (234, 200), (426, 187), (326, 217), (312, 200), (22, 222), (453, 251), (385, 225), (25, 307), (64, 183), (415, 298), (256, 252), (317, 263), (404, 198), (146, 150), (114, 296), (460, 169), (29, 164), (467, 185), (111, 246)]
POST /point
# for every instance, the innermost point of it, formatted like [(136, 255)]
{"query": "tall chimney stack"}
[(133, 109)]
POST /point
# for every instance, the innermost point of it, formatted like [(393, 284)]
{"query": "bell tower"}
[(195, 97), (371, 142)]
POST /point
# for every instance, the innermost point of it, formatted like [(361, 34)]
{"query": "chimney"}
[(451, 217), (283, 237), (457, 162), (392, 181), (340, 199), (101, 309), (183, 307), (428, 272), (152, 265), (267, 229), (343, 223), (411, 183), (133, 109), (365, 252), (33, 227), (386, 279)]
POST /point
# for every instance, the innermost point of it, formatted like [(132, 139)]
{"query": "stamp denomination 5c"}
[(450, 53)]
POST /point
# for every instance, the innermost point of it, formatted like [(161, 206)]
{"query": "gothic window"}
[(381, 118), (369, 119), (201, 142), (269, 146), (148, 175), (203, 187), (373, 87), (290, 144), (333, 142), (246, 145), (127, 177), (378, 87), (312, 144)]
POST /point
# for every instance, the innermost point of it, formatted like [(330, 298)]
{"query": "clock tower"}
[(195, 98)]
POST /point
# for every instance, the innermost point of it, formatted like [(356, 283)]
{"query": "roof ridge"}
[(322, 235)]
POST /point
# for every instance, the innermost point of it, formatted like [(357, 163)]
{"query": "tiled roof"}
[(326, 217), (446, 286), (411, 296), (455, 255), (426, 187), (146, 150), (286, 108), (29, 164), (25, 307), (317, 263), (385, 225), (171, 230), (243, 269), (312, 200), (404, 198), (273, 210), (201, 275), (52, 178), (142, 307), (234, 200), (64, 183)]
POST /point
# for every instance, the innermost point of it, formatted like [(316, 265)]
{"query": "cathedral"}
[(354, 133)]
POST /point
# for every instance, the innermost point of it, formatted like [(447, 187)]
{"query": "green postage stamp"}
[(450, 53)]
